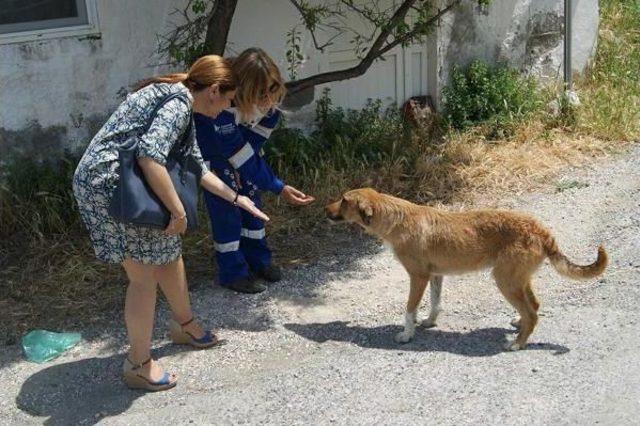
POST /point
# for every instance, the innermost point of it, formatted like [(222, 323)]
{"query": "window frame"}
[(73, 30)]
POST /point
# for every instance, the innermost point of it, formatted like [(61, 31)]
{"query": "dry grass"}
[(610, 92), (526, 161), (57, 283)]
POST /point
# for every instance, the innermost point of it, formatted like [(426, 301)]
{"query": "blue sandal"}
[(181, 337), (135, 380)]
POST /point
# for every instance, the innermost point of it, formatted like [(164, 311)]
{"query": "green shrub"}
[(342, 140), (497, 96)]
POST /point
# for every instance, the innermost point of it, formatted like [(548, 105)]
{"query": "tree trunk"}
[(218, 26)]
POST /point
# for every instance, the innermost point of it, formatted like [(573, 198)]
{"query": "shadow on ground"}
[(338, 253), (88, 390), (81, 392), (481, 342)]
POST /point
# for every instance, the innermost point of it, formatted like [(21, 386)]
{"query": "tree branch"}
[(303, 14), (375, 52), (408, 36), (361, 12), (395, 20), (356, 71)]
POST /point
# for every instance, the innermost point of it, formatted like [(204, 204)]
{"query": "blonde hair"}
[(258, 76), (206, 71)]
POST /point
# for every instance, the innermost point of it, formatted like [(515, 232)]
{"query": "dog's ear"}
[(366, 210)]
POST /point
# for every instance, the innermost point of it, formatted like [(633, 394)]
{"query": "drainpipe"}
[(570, 96), (567, 43)]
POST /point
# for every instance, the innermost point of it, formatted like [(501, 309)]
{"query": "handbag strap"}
[(163, 101)]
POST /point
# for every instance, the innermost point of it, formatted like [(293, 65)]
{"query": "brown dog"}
[(430, 243)]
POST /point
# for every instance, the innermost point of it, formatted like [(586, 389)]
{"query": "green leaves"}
[(199, 6), (343, 140), (483, 94), (293, 54), (313, 15)]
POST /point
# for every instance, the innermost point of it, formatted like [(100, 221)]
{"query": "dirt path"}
[(319, 348)]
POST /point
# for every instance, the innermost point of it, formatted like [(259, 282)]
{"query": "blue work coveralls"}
[(234, 152)]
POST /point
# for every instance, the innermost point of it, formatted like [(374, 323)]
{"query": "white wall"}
[(57, 92), (403, 74)]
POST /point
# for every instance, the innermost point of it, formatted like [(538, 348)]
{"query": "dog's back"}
[(452, 242)]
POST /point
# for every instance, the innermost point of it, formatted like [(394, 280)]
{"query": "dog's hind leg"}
[(435, 290), (418, 285), (513, 284)]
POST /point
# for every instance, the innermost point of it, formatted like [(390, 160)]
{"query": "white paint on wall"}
[(70, 81)]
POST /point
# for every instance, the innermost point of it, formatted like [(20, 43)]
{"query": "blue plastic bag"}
[(42, 346)]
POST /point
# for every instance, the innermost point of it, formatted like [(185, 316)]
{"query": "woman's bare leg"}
[(173, 283), (139, 314)]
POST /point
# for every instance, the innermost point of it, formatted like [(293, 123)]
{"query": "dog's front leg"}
[(435, 287), (415, 296)]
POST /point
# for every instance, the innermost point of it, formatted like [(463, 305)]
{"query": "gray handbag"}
[(134, 202)]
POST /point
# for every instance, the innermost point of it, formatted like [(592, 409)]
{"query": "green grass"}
[(610, 92)]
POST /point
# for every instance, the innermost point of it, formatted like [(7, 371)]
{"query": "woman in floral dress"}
[(152, 257)]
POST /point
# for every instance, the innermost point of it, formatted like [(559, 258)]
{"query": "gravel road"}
[(318, 348)]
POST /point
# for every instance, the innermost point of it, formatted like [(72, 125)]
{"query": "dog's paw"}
[(403, 337), (428, 323), (516, 323), (514, 346)]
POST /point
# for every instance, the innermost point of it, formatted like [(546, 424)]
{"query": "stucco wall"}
[(525, 34), (56, 93)]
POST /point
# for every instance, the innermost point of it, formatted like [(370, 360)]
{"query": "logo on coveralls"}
[(227, 129)]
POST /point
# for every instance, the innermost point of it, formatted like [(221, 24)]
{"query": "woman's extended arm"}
[(212, 183)]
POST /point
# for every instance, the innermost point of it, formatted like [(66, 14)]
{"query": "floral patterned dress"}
[(97, 174)]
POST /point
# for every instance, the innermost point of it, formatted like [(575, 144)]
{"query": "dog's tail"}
[(569, 269)]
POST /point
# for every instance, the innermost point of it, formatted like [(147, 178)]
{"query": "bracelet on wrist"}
[(235, 200), (175, 217)]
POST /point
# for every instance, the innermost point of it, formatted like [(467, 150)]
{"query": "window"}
[(24, 20)]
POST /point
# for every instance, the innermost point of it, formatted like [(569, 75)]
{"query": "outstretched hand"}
[(248, 205), (296, 197)]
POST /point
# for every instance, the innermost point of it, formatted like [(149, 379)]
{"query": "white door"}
[(402, 74)]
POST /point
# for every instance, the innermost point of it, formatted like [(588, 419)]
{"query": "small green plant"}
[(294, 53), (343, 140), (563, 111), (564, 185), (497, 96)]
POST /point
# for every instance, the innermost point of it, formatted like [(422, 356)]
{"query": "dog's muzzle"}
[(332, 215)]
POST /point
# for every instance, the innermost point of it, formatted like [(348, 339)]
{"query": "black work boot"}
[(270, 274), (246, 285)]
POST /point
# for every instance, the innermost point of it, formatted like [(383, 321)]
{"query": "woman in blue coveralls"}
[(232, 145)]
